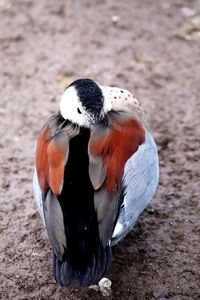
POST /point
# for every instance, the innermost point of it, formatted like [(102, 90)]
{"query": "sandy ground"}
[(43, 47)]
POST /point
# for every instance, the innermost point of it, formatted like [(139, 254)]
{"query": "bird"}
[(96, 169)]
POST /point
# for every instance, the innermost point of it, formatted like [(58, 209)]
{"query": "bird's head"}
[(84, 103)]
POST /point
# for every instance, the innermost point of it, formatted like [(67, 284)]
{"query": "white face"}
[(72, 109)]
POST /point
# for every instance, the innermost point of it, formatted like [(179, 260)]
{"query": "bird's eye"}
[(78, 111)]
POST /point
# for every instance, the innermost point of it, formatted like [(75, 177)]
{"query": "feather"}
[(107, 211), (109, 149), (52, 153), (140, 180), (97, 173), (57, 154), (54, 224), (41, 156)]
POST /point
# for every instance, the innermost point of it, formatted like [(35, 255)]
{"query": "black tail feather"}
[(66, 276), (56, 269)]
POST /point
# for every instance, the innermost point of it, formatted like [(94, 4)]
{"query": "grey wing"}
[(38, 196), (140, 180), (52, 217)]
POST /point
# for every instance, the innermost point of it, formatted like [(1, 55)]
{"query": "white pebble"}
[(115, 19), (105, 286)]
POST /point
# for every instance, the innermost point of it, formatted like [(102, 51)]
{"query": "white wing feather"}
[(38, 196)]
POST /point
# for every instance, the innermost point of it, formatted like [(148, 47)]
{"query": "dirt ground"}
[(152, 48)]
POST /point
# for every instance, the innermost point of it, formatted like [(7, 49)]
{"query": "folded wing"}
[(51, 157), (109, 149)]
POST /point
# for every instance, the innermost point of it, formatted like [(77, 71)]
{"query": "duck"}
[(96, 170)]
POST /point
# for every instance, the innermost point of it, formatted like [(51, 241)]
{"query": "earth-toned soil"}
[(152, 48)]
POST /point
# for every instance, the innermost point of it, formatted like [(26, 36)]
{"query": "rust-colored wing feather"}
[(51, 157), (57, 154), (111, 148), (41, 157)]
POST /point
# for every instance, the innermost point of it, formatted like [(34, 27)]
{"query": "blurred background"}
[(150, 47)]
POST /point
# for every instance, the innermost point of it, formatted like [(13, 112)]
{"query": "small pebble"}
[(104, 286), (115, 19)]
